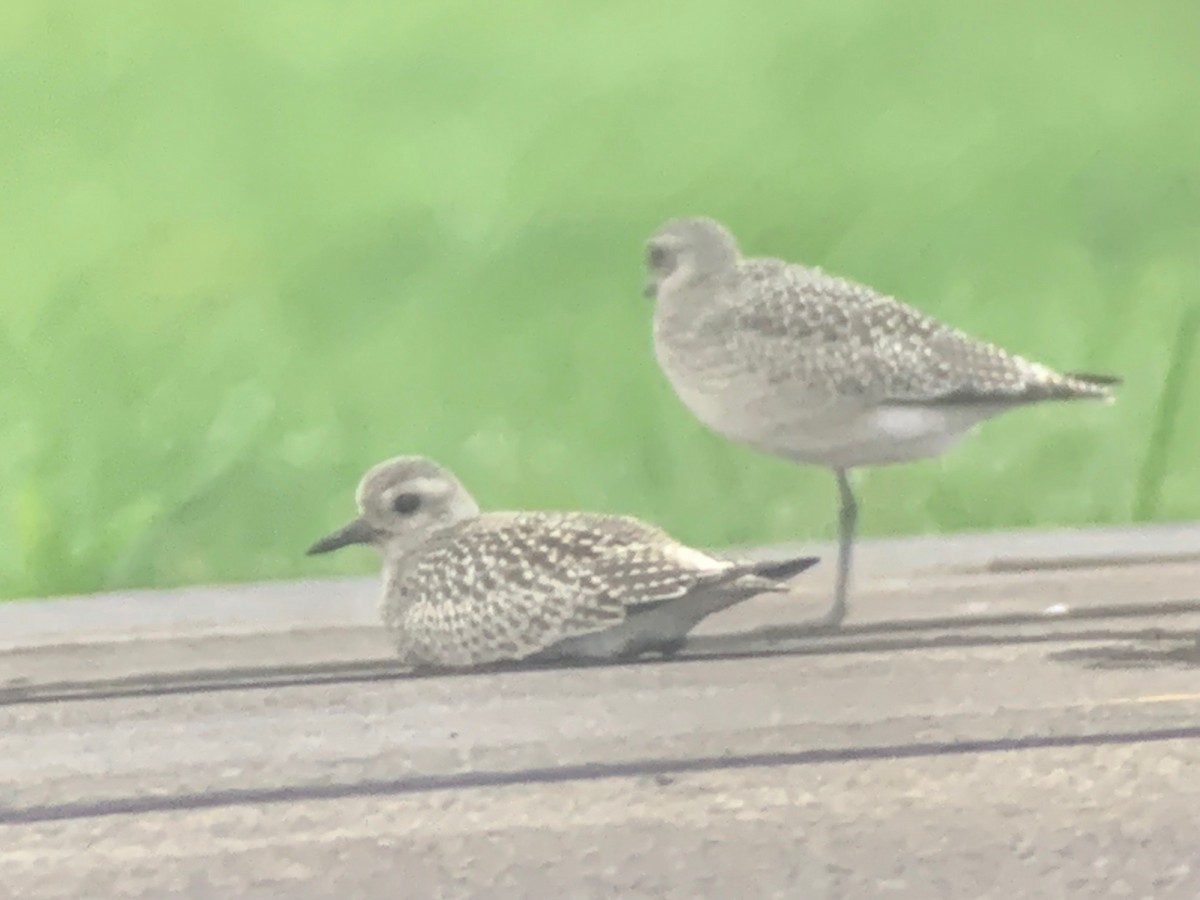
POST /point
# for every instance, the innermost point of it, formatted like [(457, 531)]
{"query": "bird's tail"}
[(739, 584), (734, 585)]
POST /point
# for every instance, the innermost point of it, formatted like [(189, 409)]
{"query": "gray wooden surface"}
[(1015, 717)]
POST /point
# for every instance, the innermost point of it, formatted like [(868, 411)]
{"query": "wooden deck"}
[(1007, 715)]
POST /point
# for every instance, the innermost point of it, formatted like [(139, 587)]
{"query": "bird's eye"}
[(656, 255), (406, 504)]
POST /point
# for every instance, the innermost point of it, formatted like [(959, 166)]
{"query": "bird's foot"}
[(830, 623)]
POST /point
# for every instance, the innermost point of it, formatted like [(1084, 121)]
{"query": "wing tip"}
[(784, 570), (1052, 386), (1096, 379)]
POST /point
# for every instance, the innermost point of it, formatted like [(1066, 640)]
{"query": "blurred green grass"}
[(250, 249)]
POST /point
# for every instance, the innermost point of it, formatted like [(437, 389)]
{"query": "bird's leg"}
[(847, 519)]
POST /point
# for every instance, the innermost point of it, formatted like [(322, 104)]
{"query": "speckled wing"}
[(506, 585), (813, 329)]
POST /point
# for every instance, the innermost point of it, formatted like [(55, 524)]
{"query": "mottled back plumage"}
[(477, 588), (808, 327), (507, 585)]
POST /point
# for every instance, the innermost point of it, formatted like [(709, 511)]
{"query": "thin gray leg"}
[(847, 519)]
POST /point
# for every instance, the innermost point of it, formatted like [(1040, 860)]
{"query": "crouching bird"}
[(464, 588)]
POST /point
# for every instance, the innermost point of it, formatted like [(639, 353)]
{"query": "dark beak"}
[(650, 290), (357, 532)]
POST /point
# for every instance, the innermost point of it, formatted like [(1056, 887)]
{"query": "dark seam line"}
[(582, 772), (703, 649)]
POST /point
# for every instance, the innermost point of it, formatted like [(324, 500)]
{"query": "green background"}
[(249, 249)]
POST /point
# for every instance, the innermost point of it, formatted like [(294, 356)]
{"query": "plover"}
[(463, 588), (821, 370)]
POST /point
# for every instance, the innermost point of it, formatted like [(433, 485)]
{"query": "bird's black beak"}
[(357, 532), (650, 290)]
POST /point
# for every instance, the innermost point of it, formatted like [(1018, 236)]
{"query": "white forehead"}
[(702, 237), (428, 486), (411, 474)]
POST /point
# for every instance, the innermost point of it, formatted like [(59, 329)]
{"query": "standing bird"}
[(821, 370), (463, 588)]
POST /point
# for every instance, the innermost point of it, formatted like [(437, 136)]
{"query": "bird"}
[(464, 588), (821, 370)]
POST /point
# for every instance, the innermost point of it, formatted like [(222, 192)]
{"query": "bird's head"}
[(686, 248), (400, 503)]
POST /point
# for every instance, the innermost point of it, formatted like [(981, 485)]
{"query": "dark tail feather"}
[(788, 568), (1091, 378), (731, 586)]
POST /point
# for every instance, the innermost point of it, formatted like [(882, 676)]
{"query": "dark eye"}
[(406, 504), (656, 255)]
